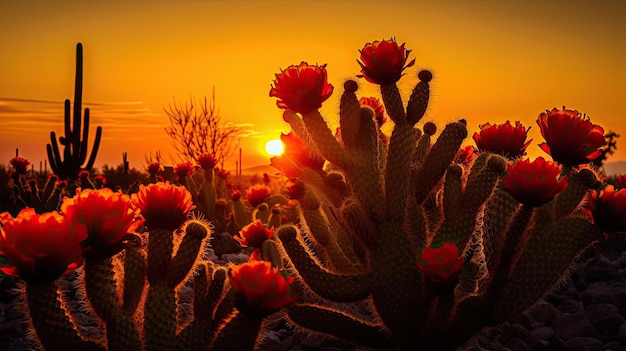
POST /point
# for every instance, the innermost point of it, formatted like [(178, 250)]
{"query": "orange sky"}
[(492, 60)]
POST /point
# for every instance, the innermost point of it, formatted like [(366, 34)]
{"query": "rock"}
[(539, 315), (605, 318), (516, 344), (614, 346), (570, 326), (224, 243), (600, 269), (600, 292), (539, 339), (581, 343)]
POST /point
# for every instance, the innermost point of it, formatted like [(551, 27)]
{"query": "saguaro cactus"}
[(75, 140)]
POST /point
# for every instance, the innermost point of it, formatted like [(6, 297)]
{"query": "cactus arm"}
[(335, 323), (349, 115), (78, 103), (401, 146), (440, 156), (82, 155), (418, 103), (324, 140), (558, 244), (94, 149), (238, 332), (393, 103), (134, 278), (186, 257), (569, 200), (336, 287)]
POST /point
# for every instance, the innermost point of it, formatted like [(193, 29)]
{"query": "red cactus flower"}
[(571, 138), (41, 247), (442, 264), (32, 182), (503, 139), (382, 62), (465, 155), (235, 195), (301, 88), (608, 210), (206, 161), (534, 183), (295, 157), (184, 169), (377, 106), (20, 164), (108, 216), (84, 174), (261, 289), (254, 234), (222, 173), (257, 194), (295, 189), (154, 168), (163, 205), (101, 179)]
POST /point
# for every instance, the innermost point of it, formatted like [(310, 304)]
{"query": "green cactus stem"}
[(239, 332), (74, 142), (51, 322)]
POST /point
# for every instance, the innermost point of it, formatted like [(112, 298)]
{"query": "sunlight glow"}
[(274, 147)]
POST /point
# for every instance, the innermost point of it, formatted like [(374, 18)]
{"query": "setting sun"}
[(274, 147)]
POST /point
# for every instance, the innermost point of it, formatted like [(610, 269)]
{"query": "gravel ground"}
[(586, 313)]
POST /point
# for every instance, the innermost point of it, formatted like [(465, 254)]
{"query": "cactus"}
[(408, 205), (68, 165)]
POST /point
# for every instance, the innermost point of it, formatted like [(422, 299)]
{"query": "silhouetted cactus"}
[(68, 165)]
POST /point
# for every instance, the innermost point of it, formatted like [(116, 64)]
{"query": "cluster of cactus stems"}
[(75, 147), (362, 226), (404, 197)]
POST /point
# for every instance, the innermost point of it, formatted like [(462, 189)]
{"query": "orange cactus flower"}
[(257, 194), (571, 138), (503, 139), (206, 161), (20, 164), (261, 289), (301, 88), (465, 155), (296, 157), (254, 234), (534, 183), (184, 169), (109, 218), (154, 168), (377, 106), (41, 247), (163, 205), (382, 62), (608, 209), (442, 264)]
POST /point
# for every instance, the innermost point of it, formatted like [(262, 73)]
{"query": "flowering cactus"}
[(436, 249)]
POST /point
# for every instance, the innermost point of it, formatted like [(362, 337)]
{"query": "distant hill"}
[(615, 168), (260, 170)]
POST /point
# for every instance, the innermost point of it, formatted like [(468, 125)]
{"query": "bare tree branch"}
[(195, 131)]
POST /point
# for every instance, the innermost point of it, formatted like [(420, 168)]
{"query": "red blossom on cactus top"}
[(84, 174), (41, 247), (377, 106), (503, 139), (163, 205), (109, 218), (261, 289), (257, 194), (571, 138), (534, 183), (295, 157), (235, 195), (382, 62), (20, 164), (465, 155), (254, 234), (101, 179), (608, 209), (154, 168), (222, 173), (206, 161), (441, 264), (301, 88), (184, 169)]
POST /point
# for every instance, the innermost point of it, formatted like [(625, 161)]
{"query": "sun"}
[(274, 147)]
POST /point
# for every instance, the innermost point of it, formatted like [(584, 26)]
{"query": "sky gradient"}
[(492, 62)]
